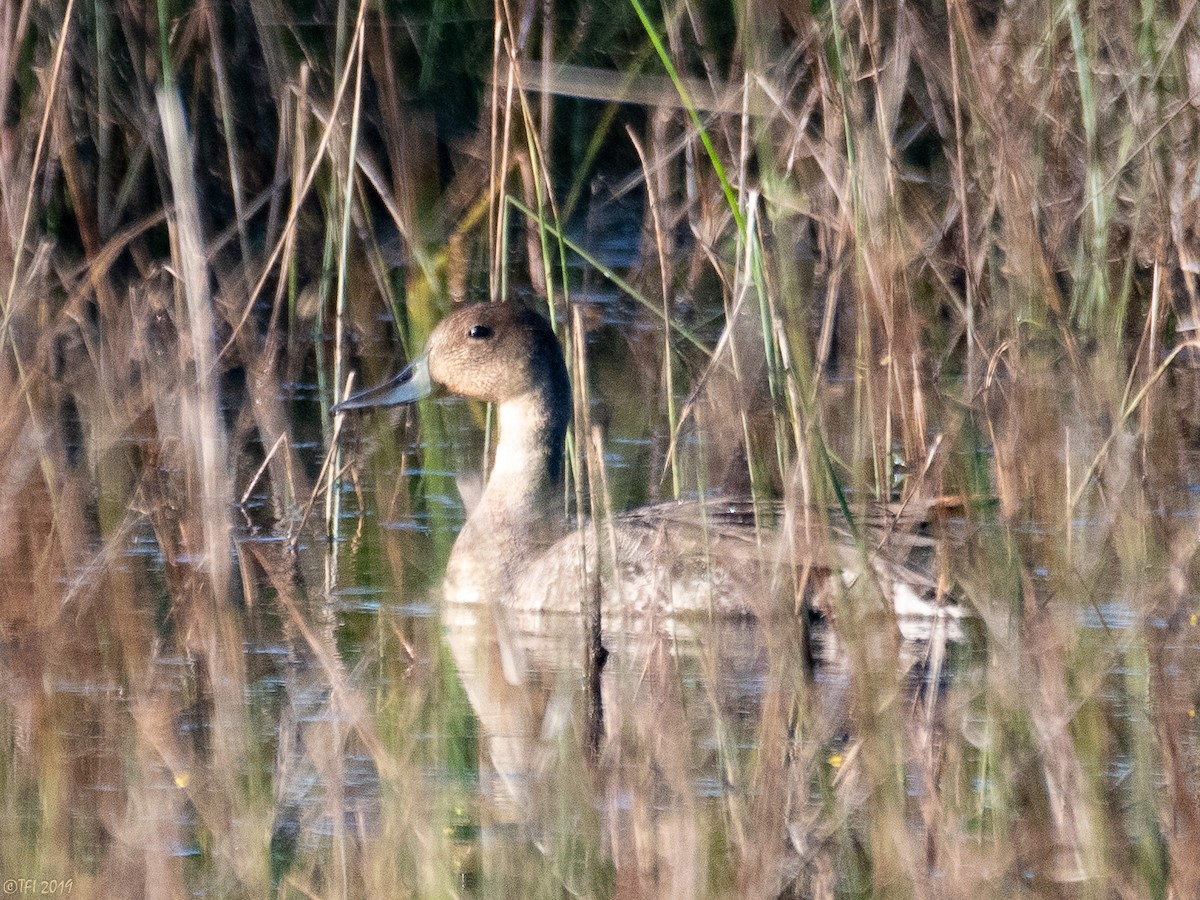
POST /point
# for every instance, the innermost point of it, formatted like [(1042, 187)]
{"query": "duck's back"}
[(668, 567)]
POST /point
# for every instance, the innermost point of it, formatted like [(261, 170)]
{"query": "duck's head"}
[(496, 352)]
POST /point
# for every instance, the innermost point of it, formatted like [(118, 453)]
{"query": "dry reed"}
[(938, 255)]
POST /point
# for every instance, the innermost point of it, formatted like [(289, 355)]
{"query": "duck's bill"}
[(410, 385)]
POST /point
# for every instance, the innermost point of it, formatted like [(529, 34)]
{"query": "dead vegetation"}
[(860, 251)]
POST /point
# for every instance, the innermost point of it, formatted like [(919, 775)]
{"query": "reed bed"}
[(939, 255)]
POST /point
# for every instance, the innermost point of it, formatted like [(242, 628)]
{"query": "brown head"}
[(498, 352)]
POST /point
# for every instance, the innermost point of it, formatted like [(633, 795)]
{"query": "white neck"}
[(524, 475), (518, 514)]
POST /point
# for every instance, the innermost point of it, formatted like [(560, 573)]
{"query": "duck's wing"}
[(726, 558), (889, 528), (894, 544)]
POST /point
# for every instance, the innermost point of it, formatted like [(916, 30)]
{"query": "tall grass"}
[(940, 255)]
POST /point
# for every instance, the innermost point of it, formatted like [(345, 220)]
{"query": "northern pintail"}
[(657, 564)]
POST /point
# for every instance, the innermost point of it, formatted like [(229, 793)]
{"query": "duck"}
[(657, 567)]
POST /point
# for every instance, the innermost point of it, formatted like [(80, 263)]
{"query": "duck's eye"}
[(479, 332)]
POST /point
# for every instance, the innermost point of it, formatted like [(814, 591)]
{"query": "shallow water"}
[(326, 727)]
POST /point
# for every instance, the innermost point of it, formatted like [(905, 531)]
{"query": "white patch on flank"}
[(916, 617)]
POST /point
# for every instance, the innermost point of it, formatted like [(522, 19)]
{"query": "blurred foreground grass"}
[(870, 250)]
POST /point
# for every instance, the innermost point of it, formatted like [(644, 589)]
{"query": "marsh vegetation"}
[(938, 255)]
